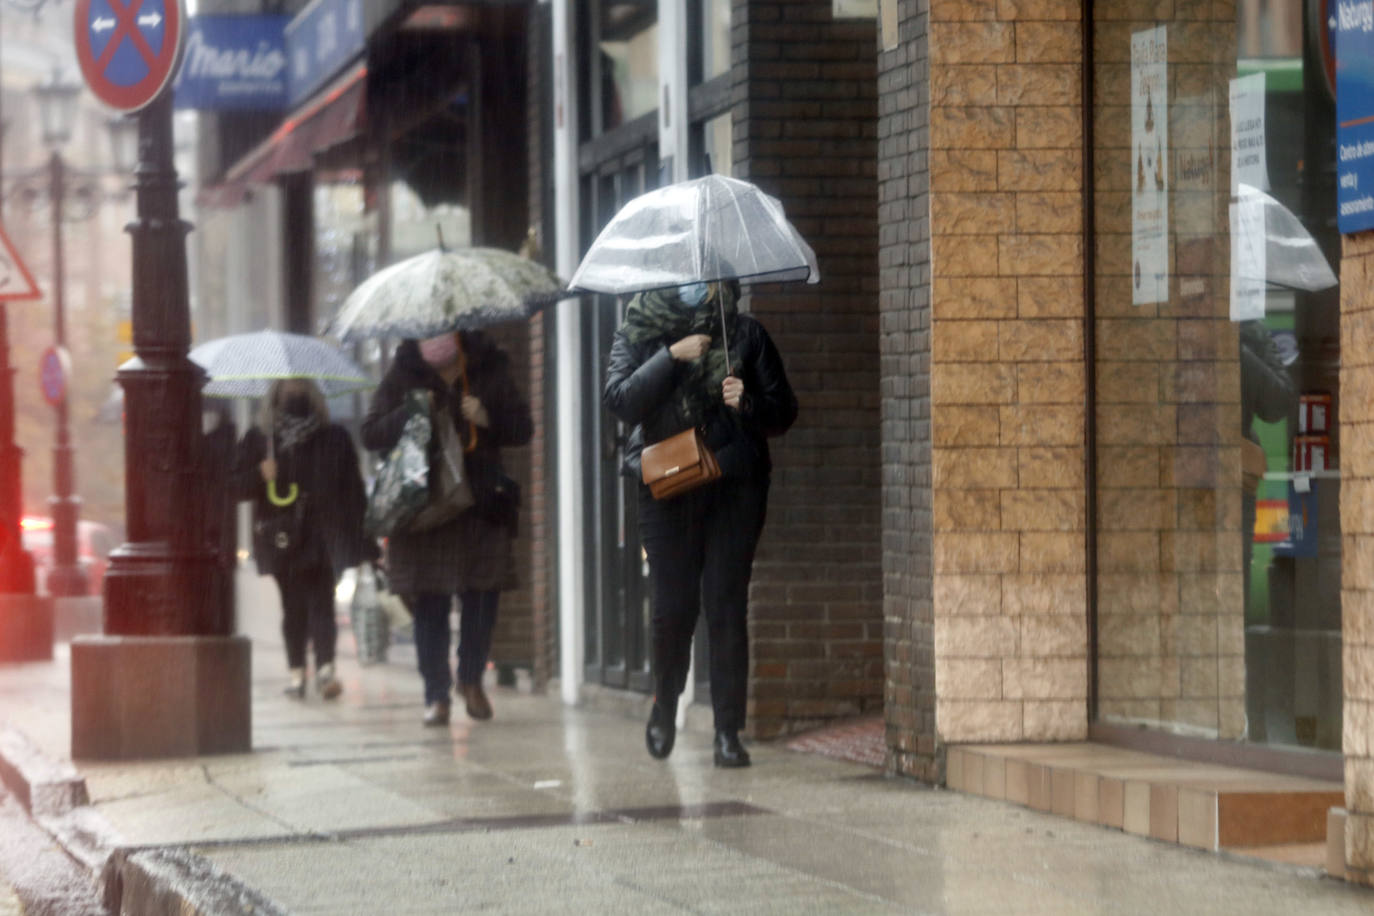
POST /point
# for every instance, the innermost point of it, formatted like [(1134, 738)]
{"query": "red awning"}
[(336, 114)]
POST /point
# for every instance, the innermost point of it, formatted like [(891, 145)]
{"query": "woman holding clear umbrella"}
[(669, 370), (471, 555), (301, 473)]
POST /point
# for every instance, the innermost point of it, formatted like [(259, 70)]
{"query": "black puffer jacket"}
[(640, 379)]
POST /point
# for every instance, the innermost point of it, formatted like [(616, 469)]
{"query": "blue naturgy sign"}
[(234, 62), (322, 38), (1353, 23)]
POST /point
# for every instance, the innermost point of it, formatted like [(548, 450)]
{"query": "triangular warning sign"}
[(15, 280)]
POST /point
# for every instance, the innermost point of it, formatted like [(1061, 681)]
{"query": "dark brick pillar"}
[(538, 516), (805, 125), (904, 298)]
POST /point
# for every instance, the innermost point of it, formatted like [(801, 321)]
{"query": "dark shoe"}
[(729, 752), (327, 684), (436, 714), (478, 705), (660, 733)]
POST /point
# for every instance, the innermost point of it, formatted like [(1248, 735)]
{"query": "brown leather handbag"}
[(678, 464)]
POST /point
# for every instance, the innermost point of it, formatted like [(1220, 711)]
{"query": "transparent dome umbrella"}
[(246, 366), (1293, 259), (706, 229), (460, 289)]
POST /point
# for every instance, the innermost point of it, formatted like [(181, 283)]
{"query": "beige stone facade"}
[(1357, 572), (1007, 370), (1008, 393)]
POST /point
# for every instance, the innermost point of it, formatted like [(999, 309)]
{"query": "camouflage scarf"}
[(660, 316)]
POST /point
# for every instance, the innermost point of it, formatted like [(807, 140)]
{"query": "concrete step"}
[(1177, 801)]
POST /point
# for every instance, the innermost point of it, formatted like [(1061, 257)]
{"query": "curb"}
[(177, 882), (44, 789), (169, 881)]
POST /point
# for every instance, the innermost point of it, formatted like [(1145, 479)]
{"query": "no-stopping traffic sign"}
[(128, 48)]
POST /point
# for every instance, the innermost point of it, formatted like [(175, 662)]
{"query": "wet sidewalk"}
[(353, 807)]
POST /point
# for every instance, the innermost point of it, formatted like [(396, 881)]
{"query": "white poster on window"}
[(1150, 168), (1249, 261), (1249, 164)]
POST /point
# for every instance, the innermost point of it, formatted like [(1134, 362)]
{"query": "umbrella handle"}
[(724, 334), (276, 500)]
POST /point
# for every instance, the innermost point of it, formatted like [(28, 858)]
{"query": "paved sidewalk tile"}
[(352, 806)]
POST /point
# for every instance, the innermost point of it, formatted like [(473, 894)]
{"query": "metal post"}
[(165, 581), (66, 578), (16, 566)]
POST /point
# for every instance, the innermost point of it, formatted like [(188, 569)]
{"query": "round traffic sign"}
[(54, 367), (128, 49)]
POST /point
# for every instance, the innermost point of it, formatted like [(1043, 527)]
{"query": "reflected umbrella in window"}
[(1292, 258)]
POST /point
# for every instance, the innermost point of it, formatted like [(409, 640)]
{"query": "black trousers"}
[(701, 555), (307, 603)]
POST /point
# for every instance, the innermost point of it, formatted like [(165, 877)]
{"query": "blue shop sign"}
[(1353, 22), (324, 37), (234, 62)]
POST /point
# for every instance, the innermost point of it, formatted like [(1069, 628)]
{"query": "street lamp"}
[(71, 194), (57, 112)]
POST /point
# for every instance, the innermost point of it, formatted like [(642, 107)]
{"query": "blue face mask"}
[(693, 294)]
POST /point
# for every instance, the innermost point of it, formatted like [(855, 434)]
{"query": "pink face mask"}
[(440, 351)]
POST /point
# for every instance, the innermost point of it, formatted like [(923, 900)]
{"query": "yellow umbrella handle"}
[(279, 500)]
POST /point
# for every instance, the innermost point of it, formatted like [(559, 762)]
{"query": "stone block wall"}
[(904, 307), (1170, 550), (1007, 376), (805, 130), (1357, 568)]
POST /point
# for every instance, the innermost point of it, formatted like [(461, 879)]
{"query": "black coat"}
[(474, 550), (640, 379), (325, 468)]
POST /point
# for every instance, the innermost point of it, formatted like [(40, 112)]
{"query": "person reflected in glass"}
[(471, 555), (301, 473), (1267, 393), (668, 371)]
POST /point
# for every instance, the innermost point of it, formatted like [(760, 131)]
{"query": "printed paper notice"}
[(1249, 262), (1249, 162), (1150, 170)]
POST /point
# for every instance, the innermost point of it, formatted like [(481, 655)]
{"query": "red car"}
[(94, 542)]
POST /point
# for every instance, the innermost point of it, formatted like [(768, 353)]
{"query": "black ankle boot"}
[(729, 752), (661, 732)]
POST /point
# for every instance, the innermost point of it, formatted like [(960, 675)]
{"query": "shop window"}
[(715, 38), (1216, 371), (718, 140), (626, 40)]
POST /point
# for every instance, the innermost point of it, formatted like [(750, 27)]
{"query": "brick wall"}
[(1356, 422), (904, 303), (538, 507), (805, 125), (513, 641), (1007, 372)]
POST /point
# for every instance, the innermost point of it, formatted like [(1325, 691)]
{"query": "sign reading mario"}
[(128, 48)]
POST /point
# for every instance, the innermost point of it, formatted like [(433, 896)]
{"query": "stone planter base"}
[(26, 628), (139, 697)]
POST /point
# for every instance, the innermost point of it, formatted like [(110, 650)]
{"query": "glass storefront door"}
[(617, 601), (1216, 371)]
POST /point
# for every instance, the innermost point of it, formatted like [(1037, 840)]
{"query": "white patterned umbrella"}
[(706, 229), (444, 290), (246, 365)]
